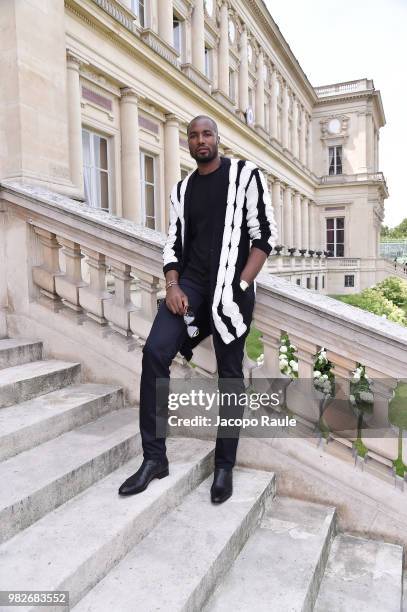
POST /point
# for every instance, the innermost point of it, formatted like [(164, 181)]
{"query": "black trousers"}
[(166, 337)]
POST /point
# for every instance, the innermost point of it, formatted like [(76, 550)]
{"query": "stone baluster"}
[(301, 396), (3, 270), (92, 297), (45, 274), (270, 369), (118, 309), (67, 286), (142, 318)]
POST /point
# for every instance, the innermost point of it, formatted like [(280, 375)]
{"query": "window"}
[(298, 281), (335, 160), (147, 176), (335, 236), (208, 62), (349, 280), (232, 85), (316, 283), (323, 282), (137, 6), (96, 169), (177, 34), (308, 282)]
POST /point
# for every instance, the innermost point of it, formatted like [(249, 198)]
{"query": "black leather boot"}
[(222, 487), (148, 470)]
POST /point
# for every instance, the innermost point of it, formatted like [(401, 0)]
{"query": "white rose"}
[(283, 349), (293, 347), (352, 399), (356, 376), (283, 363), (317, 374), (324, 376), (294, 366)]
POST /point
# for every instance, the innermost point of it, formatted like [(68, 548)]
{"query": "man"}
[(209, 267)]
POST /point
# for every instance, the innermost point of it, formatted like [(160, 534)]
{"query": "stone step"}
[(23, 382), (16, 351), (25, 425), (281, 566), (42, 478), (362, 575), (74, 546), (178, 564)]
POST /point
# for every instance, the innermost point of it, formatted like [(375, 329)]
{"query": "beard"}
[(206, 157)]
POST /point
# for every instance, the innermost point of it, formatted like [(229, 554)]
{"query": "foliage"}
[(288, 358), (374, 301), (394, 289), (254, 345), (400, 231)]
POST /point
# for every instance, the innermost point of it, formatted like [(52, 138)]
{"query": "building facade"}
[(106, 88)]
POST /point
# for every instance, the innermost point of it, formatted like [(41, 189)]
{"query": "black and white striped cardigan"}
[(248, 206)]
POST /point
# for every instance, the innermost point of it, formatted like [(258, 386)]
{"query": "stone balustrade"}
[(95, 248)]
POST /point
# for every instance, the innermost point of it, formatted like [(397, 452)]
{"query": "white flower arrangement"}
[(287, 358), (323, 374)]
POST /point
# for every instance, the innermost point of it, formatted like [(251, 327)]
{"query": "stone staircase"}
[(65, 447)]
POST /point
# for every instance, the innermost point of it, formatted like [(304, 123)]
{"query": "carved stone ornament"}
[(334, 127)]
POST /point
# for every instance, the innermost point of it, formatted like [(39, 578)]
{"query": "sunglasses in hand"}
[(189, 318)]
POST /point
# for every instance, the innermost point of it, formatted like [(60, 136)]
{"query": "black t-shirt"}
[(207, 191)]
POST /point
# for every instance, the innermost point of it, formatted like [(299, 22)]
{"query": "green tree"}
[(394, 289)]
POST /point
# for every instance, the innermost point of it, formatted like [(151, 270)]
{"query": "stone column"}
[(33, 107), (295, 149), (243, 73), (165, 17), (152, 15), (284, 126), (288, 218), (305, 224), (310, 163), (303, 148), (297, 220), (274, 106), (223, 59), (260, 91), (172, 162), (313, 227), (130, 156), (276, 201), (198, 36), (74, 121)]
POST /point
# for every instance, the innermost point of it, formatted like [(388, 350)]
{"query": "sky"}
[(353, 39)]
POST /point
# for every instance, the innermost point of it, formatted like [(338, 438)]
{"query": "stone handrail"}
[(343, 88), (351, 178)]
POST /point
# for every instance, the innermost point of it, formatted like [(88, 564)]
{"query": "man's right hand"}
[(176, 300)]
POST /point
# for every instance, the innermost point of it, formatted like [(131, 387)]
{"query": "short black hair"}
[(214, 124)]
